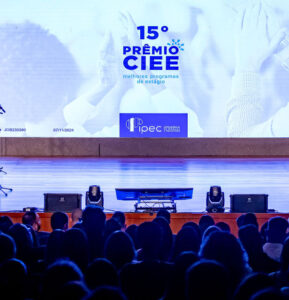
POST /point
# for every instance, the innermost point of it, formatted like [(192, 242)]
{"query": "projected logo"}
[(153, 125), (152, 57), (133, 123)]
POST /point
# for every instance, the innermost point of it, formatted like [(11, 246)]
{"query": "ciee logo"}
[(136, 124)]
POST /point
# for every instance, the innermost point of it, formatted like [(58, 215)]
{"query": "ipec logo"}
[(153, 125), (133, 123)]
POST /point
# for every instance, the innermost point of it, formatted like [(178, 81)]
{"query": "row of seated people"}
[(104, 259)]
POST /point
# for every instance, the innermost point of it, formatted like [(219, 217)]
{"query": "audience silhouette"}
[(105, 259)]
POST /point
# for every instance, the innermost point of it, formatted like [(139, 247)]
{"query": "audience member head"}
[(225, 248), (251, 239), (75, 247), (59, 220), (285, 256), (250, 219), (185, 260), (205, 222), (32, 219), (209, 230), (196, 227), (223, 226), (132, 232), (240, 221), (119, 249), (57, 275), (5, 224), (7, 247), (119, 216), (263, 232), (111, 226), (54, 248), (106, 293), (182, 263), (285, 291), (186, 240), (23, 240), (207, 280), (149, 273), (93, 223), (93, 219), (73, 290), (252, 284), (268, 294), (101, 272), (276, 230), (165, 214), (149, 239), (76, 216), (166, 238), (13, 279)]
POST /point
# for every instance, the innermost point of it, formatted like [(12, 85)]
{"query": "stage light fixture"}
[(215, 200), (94, 196)]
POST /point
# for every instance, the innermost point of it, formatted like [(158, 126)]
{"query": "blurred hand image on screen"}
[(208, 64), (259, 103), (38, 77), (99, 108), (254, 45)]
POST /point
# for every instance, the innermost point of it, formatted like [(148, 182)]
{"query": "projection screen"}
[(147, 68)]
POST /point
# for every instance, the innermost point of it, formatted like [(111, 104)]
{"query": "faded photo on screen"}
[(153, 68)]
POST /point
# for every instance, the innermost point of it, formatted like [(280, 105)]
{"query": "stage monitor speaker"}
[(244, 203), (62, 202)]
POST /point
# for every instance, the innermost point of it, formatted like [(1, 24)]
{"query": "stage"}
[(30, 178)]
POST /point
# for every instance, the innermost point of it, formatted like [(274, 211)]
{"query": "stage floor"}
[(30, 178)]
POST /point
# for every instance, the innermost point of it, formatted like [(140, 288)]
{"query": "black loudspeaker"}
[(62, 202), (94, 196), (244, 203)]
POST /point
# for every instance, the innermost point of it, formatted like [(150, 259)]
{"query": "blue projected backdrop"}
[(191, 68)]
